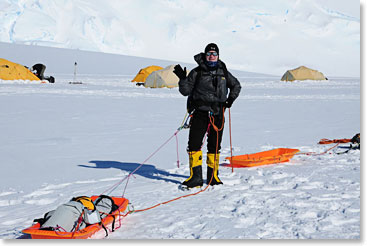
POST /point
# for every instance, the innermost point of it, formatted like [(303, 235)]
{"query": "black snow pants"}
[(199, 125)]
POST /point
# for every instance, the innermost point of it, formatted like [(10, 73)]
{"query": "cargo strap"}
[(80, 219), (105, 229)]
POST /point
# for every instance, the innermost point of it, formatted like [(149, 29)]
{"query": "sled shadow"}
[(343, 147), (24, 236), (146, 170)]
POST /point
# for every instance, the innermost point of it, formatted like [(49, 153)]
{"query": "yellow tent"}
[(144, 73), (13, 71), (162, 78), (302, 73)]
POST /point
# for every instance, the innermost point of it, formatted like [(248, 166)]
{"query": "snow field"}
[(60, 140)]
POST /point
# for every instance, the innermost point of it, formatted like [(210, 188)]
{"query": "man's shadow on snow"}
[(147, 171)]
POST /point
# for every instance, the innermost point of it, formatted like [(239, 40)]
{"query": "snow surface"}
[(61, 140), (256, 36)]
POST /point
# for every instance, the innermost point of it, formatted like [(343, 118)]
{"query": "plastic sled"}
[(37, 233), (262, 158), (328, 141)]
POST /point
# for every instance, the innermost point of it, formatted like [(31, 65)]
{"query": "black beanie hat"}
[(212, 47)]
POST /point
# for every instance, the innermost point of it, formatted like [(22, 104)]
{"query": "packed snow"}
[(62, 140)]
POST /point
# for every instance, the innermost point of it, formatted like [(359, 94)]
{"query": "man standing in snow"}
[(207, 89)]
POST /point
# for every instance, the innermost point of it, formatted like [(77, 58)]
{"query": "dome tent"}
[(162, 78), (144, 73), (14, 71), (303, 73)]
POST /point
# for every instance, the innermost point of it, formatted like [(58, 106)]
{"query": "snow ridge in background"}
[(257, 36)]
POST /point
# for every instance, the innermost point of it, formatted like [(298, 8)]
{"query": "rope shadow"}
[(146, 170)]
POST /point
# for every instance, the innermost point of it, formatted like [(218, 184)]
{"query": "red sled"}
[(37, 233)]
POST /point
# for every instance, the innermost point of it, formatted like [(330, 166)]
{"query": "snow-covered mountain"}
[(257, 36)]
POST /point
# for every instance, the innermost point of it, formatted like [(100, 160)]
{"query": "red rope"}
[(113, 187), (313, 153), (160, 147), (192, 194)]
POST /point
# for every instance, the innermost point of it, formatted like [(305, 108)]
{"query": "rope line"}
[(191, 194), (182, 126), (160, 147), (315, 154), (113, 187), (212, 123)]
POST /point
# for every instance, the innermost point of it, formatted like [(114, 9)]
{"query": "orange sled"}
[(262, 158), (328, 141), (85, 233)]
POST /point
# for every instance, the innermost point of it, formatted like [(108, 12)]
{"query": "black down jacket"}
[(208, 89)]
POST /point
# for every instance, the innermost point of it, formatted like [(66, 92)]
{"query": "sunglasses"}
[(212, 53)]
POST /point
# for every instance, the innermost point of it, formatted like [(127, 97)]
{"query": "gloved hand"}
[(228, 103), (180, 73)]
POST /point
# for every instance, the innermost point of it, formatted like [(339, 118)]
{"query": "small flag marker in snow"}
[(74, 80)]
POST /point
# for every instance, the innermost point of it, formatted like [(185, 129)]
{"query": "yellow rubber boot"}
[(212, 170), (196, 173)]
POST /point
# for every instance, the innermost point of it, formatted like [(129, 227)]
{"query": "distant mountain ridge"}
[(253, 35), (61, 60)]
